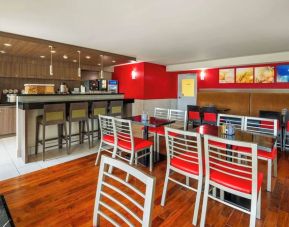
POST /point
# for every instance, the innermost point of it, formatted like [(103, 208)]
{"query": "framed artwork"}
[(264, 74), (227, 75), (282, 73), (245, 75)]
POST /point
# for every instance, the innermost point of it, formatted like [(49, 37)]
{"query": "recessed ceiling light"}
[(74, 60), (101, 55), (42, 56), (2, 52), (113, 61), (53, 51), (65, 56), (87, 57), (7, 44), (99, 64)]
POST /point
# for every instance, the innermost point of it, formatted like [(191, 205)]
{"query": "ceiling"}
[(160, 31)]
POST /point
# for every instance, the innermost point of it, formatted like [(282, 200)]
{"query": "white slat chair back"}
[(185, 146), (261, 125), (123, 131), (109, 202), (180, 118), (161, 113), (106, 125), (230, 161), (236, 120)]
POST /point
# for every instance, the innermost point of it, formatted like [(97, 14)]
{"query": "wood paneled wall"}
[(244, 103)]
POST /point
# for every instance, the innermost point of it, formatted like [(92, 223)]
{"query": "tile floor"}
[(11, 166)]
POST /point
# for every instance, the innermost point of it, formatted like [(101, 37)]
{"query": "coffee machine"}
[(112, 86)]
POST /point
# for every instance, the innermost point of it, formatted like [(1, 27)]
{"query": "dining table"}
[(146, 123)]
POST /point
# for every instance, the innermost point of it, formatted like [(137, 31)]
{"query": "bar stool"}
[(54, 114), (116, 108), (96, 109), (78, 112)]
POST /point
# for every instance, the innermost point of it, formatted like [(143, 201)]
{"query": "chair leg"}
[(165, 187), (214, 191), (69, 131), (275, 167), (130, 162), (155, 141), (43, 142), (92, 129), (88, 133), (187, 181), (158, 147), (98, 153), (66, 139), (259, 205), (151, 158), (222, 195), (253, 210), (135, 159), (205, 203), (197, 203), (269, 175), (36, 137)]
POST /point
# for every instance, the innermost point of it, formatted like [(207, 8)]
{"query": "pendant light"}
[(101, 70), (50, 66), (79, 69)]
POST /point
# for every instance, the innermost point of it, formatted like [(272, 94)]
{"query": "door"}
[(187, 90)]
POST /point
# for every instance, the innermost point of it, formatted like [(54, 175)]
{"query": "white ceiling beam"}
[(227, 62)]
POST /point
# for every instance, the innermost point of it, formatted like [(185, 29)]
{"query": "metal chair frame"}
[(236, 120), (184, 145), (106, 126), (218, 159), (259, 128), (104, 181)]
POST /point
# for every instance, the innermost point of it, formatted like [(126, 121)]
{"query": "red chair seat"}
[(261, 153), (139, 144), (236, 183), (194, 115), (108, 138), (183, 165)]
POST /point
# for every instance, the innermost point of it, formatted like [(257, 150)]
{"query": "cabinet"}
[(7, 120)]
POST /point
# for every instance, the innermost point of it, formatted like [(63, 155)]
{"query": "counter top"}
[(7, 104), (70, 94)]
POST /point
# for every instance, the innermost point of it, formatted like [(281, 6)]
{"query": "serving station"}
[(31, 106)]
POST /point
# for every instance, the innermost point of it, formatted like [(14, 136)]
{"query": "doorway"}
[(187, 90)]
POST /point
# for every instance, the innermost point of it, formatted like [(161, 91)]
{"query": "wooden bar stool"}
[(78, 112), (54, 114), (96, 109), (116, 108)]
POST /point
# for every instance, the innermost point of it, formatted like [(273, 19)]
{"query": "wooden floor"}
[(64, 195)]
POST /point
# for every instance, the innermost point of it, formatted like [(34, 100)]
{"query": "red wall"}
[(152, 81), (212, 80)]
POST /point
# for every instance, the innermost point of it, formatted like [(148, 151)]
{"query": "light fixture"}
[(7, 44), (202, 75), (101, 70), (65, 56), (2, 52), (53, 51), (132, 61), (42, 56), (99, 64), (74, 60), (133, 74), (79, 69), (87, 57), (50, 66), (113, 61)]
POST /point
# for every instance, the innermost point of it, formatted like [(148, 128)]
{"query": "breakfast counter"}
[(31, 106)]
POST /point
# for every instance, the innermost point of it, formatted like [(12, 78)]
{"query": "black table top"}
[(5, 217), (151, 122), (263, 141)]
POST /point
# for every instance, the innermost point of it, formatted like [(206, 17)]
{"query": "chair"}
[(126, 142), (113, 201), (180, 118), (194, 115), (54, 114), (268, 127), (229, 172), (235, 120), (285, 114), (209, 115), (107, 135), (116, 108), (161, 113), (96, 109), (184, 156), (78, 112)]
